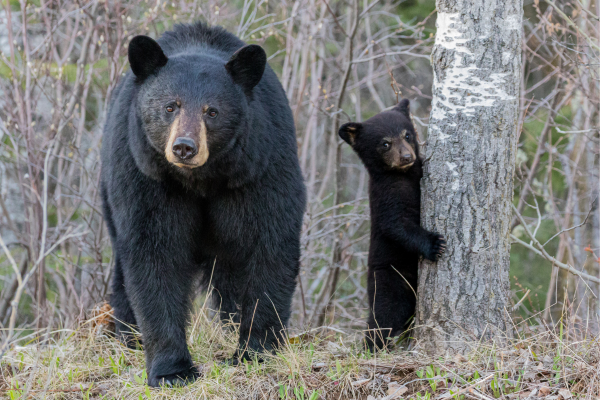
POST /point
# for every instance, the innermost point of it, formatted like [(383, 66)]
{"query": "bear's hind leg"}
[(122, 313), (125, 322), (224, 291), (391, 305), (266, 304)]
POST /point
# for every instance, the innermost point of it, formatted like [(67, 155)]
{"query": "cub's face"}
[(193, 107), (385, 142)]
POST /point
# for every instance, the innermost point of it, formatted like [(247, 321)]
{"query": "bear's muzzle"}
[(187, 146)]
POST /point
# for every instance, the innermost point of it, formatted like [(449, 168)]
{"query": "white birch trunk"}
[(467, 187)]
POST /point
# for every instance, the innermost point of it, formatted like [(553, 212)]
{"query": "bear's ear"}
[(145, 57), (246, 66), (349, 131), (403, 107)]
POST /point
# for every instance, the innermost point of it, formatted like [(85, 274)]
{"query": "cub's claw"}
[(438, 247)]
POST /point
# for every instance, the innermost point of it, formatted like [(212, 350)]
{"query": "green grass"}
[(320, 364)]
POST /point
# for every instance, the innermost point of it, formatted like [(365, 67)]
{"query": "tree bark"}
[(467, 187)]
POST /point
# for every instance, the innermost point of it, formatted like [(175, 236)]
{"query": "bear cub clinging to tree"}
[(387, 145)]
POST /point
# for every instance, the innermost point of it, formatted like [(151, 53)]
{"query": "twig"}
[(335, 18), (554, 261), (573, 227), (448, 395), (516, 306)]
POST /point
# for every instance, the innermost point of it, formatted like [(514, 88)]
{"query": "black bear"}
[(200, 178), (388, 147)]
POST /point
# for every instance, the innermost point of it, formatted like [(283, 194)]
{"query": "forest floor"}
[(321, 364)]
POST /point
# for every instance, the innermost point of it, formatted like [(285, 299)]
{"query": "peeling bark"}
[(467, 187)]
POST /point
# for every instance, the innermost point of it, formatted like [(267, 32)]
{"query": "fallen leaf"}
[(580, 366), (565, 393), (459, 358), (336, 349), (294, 339), (529, 376), (319, 365), (361, 382), (544, 390), (395, 390)]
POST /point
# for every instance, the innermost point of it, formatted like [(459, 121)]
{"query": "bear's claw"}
[(438, 247), (176, 380)]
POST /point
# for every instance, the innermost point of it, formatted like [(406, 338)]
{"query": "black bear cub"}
[(200, 179), (387, 145)]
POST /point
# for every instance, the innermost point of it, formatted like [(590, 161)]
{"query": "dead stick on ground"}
[(448, 395)]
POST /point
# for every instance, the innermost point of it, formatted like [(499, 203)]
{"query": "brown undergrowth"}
[(553, 362)]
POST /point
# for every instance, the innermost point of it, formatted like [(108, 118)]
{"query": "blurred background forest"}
[(347, 59)]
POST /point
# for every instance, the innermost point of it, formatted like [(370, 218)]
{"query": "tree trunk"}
[(467, 187)]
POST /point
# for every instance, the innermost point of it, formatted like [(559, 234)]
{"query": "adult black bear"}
[(387, 145), (199, 163)]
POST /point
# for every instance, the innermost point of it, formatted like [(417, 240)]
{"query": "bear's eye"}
[(170, 109), (407, 137), (386, 145), (212, 113)]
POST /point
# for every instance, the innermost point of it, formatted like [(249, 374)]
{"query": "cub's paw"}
[(175, 380), (377, 339), (438, 247)]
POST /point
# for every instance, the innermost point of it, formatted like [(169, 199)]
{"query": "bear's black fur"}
[(387, 145), (200, 178)]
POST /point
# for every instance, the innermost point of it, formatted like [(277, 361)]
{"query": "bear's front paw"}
[(236, 359), (438, 247), (177, 379)]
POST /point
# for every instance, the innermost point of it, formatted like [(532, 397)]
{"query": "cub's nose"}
[(184, 148), (407, 158)]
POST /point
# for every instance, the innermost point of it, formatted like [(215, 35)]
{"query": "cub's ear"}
[(403, 107), (246, 66), (349, 131), (145, 57)]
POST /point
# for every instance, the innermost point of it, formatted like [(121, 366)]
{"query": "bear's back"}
[(200, 36)]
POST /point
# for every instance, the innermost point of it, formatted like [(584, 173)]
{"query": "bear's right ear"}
[(145, 57), (246, 66), (349, 131)]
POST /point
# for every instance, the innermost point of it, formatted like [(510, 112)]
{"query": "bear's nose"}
[(184, 148), (407, 158)]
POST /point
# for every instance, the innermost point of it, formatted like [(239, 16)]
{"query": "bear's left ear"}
[(403, 107), (349, 131), (246, 66)]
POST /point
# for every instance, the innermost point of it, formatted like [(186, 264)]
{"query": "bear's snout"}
[(406, 159), (187, 146), (184, 148)]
